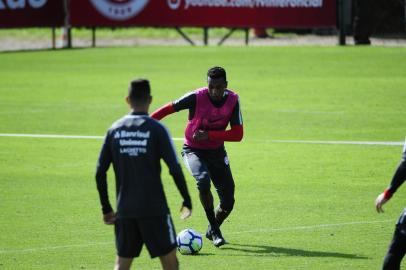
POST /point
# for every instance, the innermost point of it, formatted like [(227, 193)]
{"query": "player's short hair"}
[(139, 90), (217, 73)]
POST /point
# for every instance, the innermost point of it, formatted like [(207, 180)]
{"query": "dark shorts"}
[(208, 166), (157, 233)]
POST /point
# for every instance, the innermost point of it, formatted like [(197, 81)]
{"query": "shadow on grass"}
[(203, 254), (255, 250)]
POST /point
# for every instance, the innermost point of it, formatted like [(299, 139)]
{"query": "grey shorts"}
[(211, 166)]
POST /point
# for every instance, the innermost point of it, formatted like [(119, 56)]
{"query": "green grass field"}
[(298, 206)]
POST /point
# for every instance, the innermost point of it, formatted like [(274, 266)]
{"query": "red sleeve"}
[(387, 194), (234, 134), (163, 111)]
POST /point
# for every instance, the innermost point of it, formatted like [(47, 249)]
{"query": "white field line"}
[(50, 136), (56, 136), (269, 230), (54, 247)]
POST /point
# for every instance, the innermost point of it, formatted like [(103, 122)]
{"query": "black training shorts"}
[(157, 233)]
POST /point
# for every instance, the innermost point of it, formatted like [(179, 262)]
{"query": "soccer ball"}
[(189, 242)]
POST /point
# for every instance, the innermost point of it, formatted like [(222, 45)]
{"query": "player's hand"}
[(185, 212), (379, 202), (200, 135), (109, 218)]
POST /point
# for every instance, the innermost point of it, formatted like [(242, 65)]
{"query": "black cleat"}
[(218, 239)]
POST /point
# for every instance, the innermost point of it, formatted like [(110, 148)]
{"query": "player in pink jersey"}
[(211, 110)]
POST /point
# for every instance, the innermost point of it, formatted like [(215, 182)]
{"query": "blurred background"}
[(42, 24)]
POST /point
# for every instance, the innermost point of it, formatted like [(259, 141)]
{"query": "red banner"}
[(204, 13), (31, 13)]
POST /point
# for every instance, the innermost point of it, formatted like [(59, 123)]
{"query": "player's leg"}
[(198, 168), (225, 189), (170, 261), (160, 239), (396, 252), (223, 181), (221, 213), (128, 242), (397, 248), (123, 263)]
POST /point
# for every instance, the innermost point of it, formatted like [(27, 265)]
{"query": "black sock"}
[(221, 215), (206, 198), (212, 219)]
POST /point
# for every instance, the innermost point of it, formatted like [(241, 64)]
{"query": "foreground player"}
[(397, 248), (135, 144), (211, 109)]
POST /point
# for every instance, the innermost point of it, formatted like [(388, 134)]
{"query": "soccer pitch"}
[(298, 205)]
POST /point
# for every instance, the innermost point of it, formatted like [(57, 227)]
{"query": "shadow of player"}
[(256, 250)]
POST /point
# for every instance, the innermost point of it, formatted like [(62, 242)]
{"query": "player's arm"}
[(236, 133), (188, 101), (397, 180), (103, 165), (169, 156), (163, 111)]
